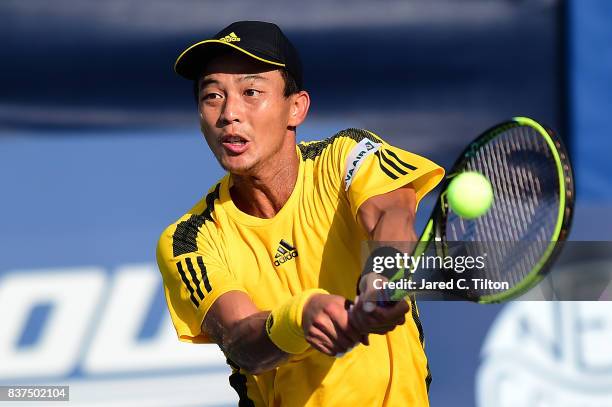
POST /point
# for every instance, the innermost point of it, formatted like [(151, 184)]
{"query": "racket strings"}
[(517, 229)]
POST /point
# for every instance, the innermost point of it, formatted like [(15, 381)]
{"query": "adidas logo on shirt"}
[(232, 37), (284, 253)]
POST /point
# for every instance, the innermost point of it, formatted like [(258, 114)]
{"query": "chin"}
[(235, 165)]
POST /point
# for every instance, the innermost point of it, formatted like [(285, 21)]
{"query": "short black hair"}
[(291, 86)]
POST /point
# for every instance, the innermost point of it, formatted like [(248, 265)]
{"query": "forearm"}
[(389, 222), (264, 340), (388, 219), (238, 327), (259, 340)]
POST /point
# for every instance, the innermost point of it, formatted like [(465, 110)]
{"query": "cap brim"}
[(189, 64)]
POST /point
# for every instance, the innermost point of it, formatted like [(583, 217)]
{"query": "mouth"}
[(235, 144), (233, 139)]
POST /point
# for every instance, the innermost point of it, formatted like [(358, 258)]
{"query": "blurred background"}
[(100, 150)]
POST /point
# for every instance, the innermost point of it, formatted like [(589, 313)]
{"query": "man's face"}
[(243, 113)]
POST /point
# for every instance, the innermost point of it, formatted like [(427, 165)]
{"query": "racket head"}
[(532, 178)]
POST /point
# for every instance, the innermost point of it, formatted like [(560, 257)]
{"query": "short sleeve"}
[(373, 167), (192, 283)]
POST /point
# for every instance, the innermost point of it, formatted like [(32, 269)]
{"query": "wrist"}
[(377, 261), (284, 324)]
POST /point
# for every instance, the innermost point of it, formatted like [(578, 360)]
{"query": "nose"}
[(232, 110)]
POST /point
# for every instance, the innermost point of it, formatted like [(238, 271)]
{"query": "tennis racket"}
[(531, 175)]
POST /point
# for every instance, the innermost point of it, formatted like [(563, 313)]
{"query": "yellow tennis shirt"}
[(313, 241)]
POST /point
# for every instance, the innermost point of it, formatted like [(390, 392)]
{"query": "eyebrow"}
[(206, 82), (248, 77)]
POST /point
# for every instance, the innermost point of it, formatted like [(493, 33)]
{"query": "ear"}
[(300, 103)]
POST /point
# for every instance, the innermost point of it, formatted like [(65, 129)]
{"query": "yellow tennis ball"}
[(470, 195)]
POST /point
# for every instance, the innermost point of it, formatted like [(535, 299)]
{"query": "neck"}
[(264, 194)]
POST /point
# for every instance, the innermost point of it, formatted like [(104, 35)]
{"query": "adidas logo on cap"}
[(284, 253), (232, 37)]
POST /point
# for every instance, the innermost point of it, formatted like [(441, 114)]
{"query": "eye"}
[(252, 92), (211, 96)]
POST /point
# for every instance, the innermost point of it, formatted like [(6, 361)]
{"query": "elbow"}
[(249, 364), (247, 345), (256, 368), (395, 224), (248, 360)]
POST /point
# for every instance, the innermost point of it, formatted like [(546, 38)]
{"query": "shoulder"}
[(341, 142), (336, 158), (181, 236)]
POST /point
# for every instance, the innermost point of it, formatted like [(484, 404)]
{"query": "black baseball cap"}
[(260, 40)]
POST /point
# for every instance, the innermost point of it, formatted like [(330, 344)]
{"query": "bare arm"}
[(390, 216), (387, 218), (238, 327)]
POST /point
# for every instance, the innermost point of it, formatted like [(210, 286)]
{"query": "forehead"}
[(237, 64)]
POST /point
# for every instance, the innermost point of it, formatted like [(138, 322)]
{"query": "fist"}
[(325, 321)]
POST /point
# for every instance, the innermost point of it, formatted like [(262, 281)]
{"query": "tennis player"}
[(265, 263)]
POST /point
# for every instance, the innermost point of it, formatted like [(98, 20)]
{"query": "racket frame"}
[(435, 229)]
